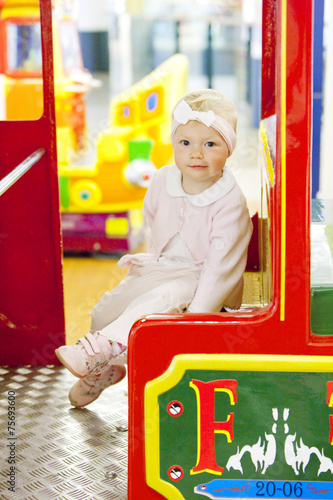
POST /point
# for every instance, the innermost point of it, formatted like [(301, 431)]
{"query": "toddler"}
[(199, 231)]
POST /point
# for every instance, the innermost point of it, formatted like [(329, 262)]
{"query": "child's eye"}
[(185, 142), (210, 144)]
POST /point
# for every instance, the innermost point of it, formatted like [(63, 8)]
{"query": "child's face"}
[(200, 154)]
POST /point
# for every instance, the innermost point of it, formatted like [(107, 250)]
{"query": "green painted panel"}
[(281, 432)]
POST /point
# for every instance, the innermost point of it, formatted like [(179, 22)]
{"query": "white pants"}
[(146, 290)]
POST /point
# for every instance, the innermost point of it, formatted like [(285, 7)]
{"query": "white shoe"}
[(88, 356), (88, 388)]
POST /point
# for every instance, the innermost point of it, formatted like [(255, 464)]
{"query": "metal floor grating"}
[(62, 452)]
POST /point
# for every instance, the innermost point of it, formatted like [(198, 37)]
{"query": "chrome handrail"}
[(21, 169)]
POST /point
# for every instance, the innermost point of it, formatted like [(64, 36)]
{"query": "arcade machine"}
[(239, 405)]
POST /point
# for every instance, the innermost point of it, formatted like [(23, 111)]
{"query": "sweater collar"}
[(210, 195)]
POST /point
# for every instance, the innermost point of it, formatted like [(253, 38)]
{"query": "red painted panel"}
[(31, 291)]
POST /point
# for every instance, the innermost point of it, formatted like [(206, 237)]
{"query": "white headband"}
[(183, 113)]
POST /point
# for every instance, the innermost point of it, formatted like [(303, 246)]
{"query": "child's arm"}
[(223, 270)]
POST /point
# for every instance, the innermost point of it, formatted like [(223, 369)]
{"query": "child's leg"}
[(114, 302), (160, 300), (137, 282), (155, 289), (172, 296), (94, 351)]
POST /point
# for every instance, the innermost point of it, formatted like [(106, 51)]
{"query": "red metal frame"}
[(277, 328), (31, 290)]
